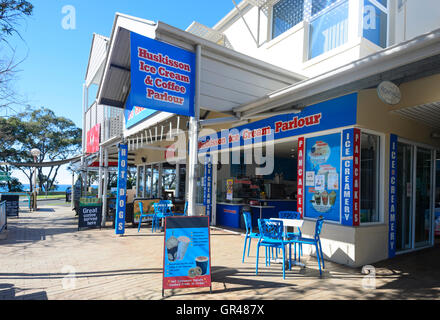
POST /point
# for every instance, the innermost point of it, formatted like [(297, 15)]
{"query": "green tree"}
[(9, 129), (57, 138)]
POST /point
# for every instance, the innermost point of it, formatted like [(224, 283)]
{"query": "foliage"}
[(56, 137), (12, 12)]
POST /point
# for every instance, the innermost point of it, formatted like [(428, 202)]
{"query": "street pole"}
[(35, 153), (193, 136)]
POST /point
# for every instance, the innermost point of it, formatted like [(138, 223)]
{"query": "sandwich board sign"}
[(90, 213), (187, 254)]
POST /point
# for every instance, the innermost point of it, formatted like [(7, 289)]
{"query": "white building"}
[(269, 59)]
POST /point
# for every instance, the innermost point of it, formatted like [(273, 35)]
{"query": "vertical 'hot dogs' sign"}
[(162, 76)]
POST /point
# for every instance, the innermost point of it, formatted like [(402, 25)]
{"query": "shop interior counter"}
[(273, 206)]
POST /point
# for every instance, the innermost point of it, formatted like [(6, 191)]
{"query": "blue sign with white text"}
[(207, 194), (339, 112), (347, 177), (122, 189), (392, 197), (162, 76)]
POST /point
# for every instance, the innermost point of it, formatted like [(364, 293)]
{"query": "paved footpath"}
[(45, 257)]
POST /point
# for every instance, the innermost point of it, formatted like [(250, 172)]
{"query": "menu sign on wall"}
[(323, 156), (162, 77), (187, 259)]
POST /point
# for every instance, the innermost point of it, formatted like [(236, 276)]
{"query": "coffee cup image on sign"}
[(182, 246), (202, 262), (172, 246)]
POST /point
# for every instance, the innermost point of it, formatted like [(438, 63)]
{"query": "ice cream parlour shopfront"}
[(316, 162)]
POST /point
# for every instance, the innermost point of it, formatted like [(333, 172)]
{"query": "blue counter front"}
[(228, 215)]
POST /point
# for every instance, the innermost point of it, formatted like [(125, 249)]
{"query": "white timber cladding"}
[(98, 53)]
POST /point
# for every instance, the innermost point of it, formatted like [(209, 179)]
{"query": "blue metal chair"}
[(316, 241), (145, 215), (161, 210), (292, 215), (249, 234), (271, 236)]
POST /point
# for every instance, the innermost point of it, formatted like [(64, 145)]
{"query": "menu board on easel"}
[(187, 258)]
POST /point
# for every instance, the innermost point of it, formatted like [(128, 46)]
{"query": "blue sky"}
[(53, 72), (56, 59)]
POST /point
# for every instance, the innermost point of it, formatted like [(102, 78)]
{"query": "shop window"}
[(169, 180), (285, 15), (370, 178), (319, 5), (328, 26), (140, 181), (375, 21)]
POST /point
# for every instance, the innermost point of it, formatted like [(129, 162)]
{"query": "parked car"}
[(69, 194)]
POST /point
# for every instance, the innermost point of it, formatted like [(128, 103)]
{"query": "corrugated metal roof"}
[(98, 52), (427, 114), (210, 34)]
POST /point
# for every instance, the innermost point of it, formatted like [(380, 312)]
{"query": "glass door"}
[(155, 185), (148, 181), (140, 182), (423, 197), (404, 197), (415, 178)]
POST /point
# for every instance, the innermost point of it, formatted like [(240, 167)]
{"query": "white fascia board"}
[(390, 58), (148, 123)]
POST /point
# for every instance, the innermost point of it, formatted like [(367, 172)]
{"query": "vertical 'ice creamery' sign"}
[(162, 76)]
